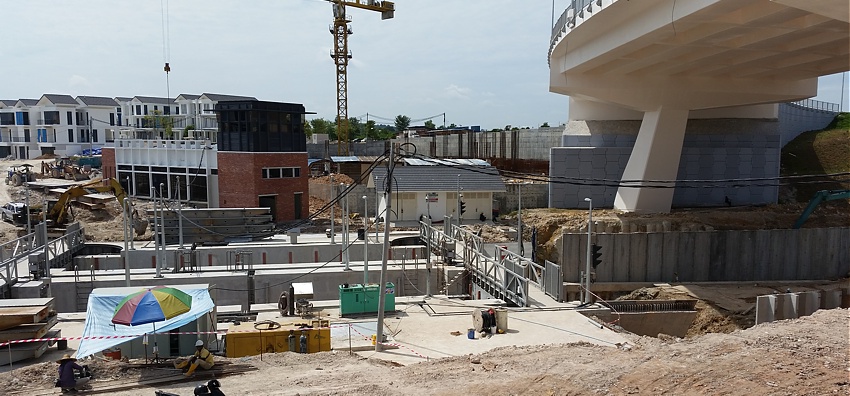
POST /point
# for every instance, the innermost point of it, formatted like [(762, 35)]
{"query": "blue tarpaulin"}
[(101, 307)]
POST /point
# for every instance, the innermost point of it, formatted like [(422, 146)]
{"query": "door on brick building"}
[(297, 204), (268, 201)]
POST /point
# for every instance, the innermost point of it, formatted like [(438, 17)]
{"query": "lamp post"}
[(344, 228), (377, 209), (519, 221), (589, 233), (333, 225), (458, 201), (365, 241)]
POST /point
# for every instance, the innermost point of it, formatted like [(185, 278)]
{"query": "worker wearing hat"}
[(67, 381), (202, 357)]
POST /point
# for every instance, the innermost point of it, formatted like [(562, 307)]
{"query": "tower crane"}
[(341, 55)]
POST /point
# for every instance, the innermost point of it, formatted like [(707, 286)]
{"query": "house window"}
[(182, 108), (146, 110), (177, 110), (27, 135), (70, 135), (111, 119), (70, 117), (139, 109), (166, 110), (155, 108), (51, 118), (280, 173), (94, 135)]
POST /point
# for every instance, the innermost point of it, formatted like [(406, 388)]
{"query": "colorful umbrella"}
[(151, 305)]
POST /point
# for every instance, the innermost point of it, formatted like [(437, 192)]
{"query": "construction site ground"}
[(722, 354)]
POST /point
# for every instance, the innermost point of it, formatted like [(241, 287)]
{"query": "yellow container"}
[(245, 340)]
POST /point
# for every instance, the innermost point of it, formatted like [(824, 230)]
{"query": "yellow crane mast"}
[(341, 55)]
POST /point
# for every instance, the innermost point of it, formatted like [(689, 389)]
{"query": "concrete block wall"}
[(713, 149), (795, 119), (533, 196)]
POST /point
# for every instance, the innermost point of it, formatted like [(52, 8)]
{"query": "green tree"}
[(401, 122), (430, 125), (158, 121), (371, 131), (322, 126), (545, 125), (308, 129), (355, 129)]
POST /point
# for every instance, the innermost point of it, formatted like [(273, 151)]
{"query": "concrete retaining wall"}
[(804, 254), (794, 305), (796, 118)]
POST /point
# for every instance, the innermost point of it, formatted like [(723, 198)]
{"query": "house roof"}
[(122, 99), (60, 99), (441, 178), (153, 99), (28, 102), (97, 101), (9, 102), (220, 97), (188, 96)]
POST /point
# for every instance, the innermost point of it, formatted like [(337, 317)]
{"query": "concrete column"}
[(655, 157), (830, 299), (807, 303), (786, 306)]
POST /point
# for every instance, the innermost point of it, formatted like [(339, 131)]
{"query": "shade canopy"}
[(151, 305)]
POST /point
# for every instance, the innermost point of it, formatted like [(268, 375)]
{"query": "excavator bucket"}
[(140, 224)]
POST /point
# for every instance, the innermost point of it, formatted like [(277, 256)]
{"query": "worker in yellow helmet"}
[(202, 357)]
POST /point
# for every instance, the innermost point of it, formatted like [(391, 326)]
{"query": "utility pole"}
[(132, 219), (155, 233), (162, 208), (589, 233), (365, 242), (345, 235), (333, 196), (382, 299), (179, 213)]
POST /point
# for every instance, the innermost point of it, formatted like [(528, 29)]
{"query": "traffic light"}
[(462, 207), (595, 255)]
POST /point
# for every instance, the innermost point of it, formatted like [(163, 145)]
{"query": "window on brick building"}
[(280, 173)]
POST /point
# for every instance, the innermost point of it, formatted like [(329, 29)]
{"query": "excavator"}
[(58, 210)]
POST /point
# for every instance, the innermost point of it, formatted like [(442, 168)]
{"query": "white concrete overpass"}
[(667, 61)]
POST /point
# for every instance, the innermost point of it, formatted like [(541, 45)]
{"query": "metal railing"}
[(576, 9), (818, 105), (12, 254)]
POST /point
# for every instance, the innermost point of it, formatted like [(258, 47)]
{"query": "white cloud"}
[(76, 82), (454, 91)]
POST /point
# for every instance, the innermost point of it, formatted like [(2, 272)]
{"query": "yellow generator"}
[(254, 338)]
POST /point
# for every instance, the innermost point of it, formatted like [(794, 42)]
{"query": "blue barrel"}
[(470, 334)]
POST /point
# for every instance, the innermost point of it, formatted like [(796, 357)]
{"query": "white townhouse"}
[(102, 117), (197, 119)]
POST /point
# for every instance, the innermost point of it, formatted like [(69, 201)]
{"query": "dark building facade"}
[(262, 157)]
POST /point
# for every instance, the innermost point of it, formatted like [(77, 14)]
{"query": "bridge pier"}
[(655, 156)]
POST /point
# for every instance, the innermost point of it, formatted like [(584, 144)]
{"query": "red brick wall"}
[(107, 159), (240, 182)]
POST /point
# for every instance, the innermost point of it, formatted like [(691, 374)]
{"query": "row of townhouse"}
[(63, 125)]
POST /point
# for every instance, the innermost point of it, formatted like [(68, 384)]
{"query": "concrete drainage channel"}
[(652, 317)]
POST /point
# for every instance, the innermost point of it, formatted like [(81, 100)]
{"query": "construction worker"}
[(202, 357), (67, 380)]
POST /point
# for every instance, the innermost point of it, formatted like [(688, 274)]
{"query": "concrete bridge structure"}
[(673, 90)]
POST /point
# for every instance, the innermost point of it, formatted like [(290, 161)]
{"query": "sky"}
[(479, 62)]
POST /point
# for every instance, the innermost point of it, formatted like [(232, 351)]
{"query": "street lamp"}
[(365, 241), (589, 233)]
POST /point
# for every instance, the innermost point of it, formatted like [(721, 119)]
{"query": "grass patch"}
[(819, 152)]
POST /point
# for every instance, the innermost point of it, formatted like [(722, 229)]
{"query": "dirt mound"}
[(806, 356), (338, 178)]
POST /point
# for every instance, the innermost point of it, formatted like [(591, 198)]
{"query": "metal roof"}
[(223, 98), (10, 102), (446, 161), (61, 99), (152, 99), (441, 178), (97, 101), (350, 158), (29, 102), (189, 96)]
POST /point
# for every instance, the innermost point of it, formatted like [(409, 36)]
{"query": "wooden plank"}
[(26, 302), (28, 331), (15, 316)]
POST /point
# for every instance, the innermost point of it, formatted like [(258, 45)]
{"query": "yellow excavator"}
[(58, 210)]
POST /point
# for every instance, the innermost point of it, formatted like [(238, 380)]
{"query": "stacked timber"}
[(27, 319)]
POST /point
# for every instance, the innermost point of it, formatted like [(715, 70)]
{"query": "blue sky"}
[(480, 62)]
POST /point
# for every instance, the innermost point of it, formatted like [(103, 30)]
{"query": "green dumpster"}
[(372, 298), (351, 299)]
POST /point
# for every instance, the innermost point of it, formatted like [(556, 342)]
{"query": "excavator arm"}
[(59, 212), (820, 196)]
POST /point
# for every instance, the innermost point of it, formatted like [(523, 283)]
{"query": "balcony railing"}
[(48, 122)]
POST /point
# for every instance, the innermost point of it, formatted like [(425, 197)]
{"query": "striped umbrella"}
[(151, 305)]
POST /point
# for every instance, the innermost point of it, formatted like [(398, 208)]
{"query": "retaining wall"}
[(761, 255)]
